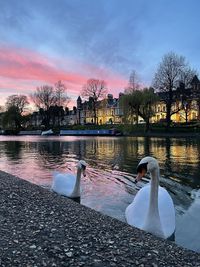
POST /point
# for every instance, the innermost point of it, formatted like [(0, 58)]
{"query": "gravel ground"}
[(41, 228)]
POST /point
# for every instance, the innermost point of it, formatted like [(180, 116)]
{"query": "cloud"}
[(27, 65), (24, 70), (45, 41), (102, 32)]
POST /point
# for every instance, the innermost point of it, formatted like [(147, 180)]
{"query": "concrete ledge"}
[(40, 228)]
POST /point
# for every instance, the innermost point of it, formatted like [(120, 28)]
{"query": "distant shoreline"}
[(149, 134), (167, 134)]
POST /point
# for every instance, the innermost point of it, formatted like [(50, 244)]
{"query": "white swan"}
[(69, 184), (152, 209)]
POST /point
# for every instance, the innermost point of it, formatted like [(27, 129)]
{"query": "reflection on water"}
[(108, 186)]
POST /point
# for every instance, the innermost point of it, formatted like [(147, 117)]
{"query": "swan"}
[(152, 209), (68, 184)]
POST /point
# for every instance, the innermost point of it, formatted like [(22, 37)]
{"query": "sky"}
[(44, 41)]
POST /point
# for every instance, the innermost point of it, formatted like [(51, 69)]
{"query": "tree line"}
[(173, 72), (51, 101)]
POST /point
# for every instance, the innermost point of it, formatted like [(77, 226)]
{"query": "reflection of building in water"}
[(101, 148)]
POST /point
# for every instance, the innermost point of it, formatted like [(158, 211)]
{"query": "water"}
[(108, 186)]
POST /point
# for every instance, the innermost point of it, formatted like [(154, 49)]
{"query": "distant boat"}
[(101, 132), (33, 132), (49, 132)]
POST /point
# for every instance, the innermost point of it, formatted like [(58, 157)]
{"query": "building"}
[(107, 111), (186, 104), (185, 108)]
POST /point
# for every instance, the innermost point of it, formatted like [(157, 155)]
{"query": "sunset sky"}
[(74, 40)]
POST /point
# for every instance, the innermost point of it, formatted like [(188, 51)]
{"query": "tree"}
[(15, 106), (134, 83), (184, 98), (187, 76), (132, 97), (187, 106), (12, 118), (48, 96), (44, 97), (130, 103), (196, 93), (62, 99), (56, 113), (95, 90), (61, 96), (18, 101), (170, 73), (139, 103), (147, 107)]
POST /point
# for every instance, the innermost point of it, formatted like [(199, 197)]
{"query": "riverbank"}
[(190, 129), (165, 134), (41, 228)]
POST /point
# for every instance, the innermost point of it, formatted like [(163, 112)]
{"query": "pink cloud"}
[(27, 65), (21, 71)]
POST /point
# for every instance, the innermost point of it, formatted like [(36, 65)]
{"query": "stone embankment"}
[(40, 228)]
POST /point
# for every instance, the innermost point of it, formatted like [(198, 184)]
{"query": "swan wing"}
[(63, 184), (136, 212), (166, 212)]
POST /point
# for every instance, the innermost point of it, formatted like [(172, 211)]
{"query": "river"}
[(112, 161)]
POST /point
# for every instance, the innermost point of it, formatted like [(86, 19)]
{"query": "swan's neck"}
[(152, 223), (153, 203), (76, 191)]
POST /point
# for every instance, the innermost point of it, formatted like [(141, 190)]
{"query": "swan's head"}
[(147, 164), (82, 166)]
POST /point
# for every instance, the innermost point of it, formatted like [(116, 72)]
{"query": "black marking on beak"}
[(142, 166), (83, 167)]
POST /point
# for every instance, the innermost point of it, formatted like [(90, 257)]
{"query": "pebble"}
[(40, 228)]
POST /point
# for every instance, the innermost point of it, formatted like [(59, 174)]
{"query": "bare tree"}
[(134, 83), (187, 76), (51, 99), (61, 96), (44, 97), (18, 101), (15, 106), (95, 90), (167, 78), (196, 93)]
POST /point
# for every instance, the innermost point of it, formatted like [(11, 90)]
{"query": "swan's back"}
[(63, 184), (136, 212)]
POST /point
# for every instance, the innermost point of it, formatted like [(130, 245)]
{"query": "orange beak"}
[(140, 175)]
